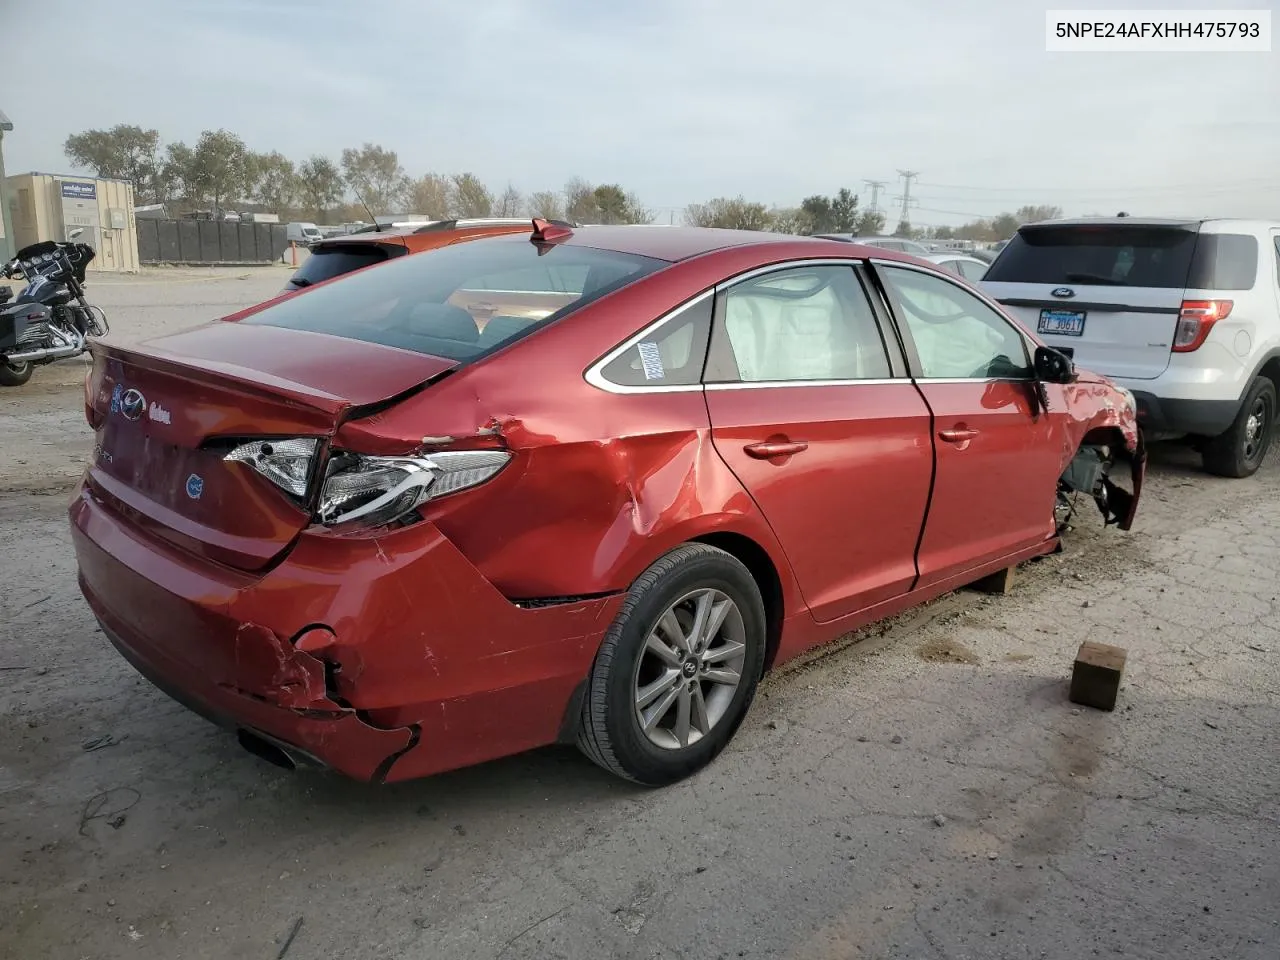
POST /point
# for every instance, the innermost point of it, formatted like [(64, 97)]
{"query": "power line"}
[(876, 186), (907, 176)]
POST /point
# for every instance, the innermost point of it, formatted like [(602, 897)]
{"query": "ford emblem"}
[(1064, 293), (132, 404)]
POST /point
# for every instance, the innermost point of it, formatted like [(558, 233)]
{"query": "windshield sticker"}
[(651, 360)]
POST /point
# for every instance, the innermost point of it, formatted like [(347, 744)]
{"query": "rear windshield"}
[(463, 301), (1140, 256), (1105, 255), (325, 263)]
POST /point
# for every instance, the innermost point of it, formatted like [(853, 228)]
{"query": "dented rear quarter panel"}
[(601, 484)]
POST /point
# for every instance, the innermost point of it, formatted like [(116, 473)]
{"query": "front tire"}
[(677, 670), (1240, 450), (15, 375)]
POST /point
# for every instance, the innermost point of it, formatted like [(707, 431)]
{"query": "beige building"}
[(46, 206)]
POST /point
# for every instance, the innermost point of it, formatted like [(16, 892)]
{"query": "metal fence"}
[(210, 241)]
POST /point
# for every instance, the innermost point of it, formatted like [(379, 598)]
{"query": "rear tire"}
[(1240, 450), (15, 375), (661, 700)]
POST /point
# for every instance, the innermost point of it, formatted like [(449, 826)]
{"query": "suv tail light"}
[(1195, 320)]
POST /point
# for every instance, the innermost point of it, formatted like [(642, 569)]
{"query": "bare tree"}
[(376, 175), (869, 224), (217, 168), (1034, 214), (790, 220), (124, 152), (320, 185), (615, 205), (580, 201), (510, 203), (469, 197), (732, 213), (546, 204), (272, 180), (431, 196)]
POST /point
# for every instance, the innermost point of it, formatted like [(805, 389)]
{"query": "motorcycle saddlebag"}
[(15, 318)]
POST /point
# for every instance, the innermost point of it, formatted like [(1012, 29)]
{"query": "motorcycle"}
[(50, 319)]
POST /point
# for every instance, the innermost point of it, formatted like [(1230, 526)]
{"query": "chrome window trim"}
[(782, 384), (755, 272), (975, 380), (595, 373)]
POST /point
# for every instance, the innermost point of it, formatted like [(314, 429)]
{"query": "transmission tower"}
[(876, 186), (907, 176)]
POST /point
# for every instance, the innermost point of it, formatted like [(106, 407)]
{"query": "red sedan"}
[(578, 485)]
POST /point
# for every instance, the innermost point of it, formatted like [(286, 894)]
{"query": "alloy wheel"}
[(1255, 429), (690, 669)]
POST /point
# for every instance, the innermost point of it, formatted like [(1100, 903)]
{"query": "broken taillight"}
[(380, 490), (372, 491), (286, 463), (1196, 320)]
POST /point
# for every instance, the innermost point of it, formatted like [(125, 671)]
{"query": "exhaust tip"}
[(265, 750)]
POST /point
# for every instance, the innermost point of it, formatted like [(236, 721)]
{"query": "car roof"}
[(671, 243)]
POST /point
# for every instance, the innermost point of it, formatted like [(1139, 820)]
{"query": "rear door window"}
[(1224, 261), (801, 324), (327, 262), (1102, 255)]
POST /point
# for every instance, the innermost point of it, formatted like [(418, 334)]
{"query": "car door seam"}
[(933, 479)]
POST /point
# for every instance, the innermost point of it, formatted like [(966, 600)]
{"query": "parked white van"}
[(303, 234)]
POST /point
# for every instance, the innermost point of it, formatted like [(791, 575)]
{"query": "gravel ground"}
[(922, 789)]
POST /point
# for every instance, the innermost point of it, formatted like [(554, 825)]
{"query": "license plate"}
[(1064, 323)]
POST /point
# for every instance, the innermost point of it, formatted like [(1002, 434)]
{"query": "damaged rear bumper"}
[(382, 658)]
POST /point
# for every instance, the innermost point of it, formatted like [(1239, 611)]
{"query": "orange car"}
[(511, 299), (335, 256)]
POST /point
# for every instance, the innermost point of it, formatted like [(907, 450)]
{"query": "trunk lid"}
[(167, 412), (1110, 291)]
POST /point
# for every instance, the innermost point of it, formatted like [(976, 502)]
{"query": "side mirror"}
[(1052, 366)]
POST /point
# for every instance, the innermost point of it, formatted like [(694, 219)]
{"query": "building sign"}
[(79, 191)]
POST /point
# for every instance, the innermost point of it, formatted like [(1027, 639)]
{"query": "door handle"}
[(775, 448), (957, 435)]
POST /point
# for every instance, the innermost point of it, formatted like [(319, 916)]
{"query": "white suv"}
[(1183, 313)]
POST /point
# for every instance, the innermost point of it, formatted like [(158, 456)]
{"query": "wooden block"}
[(1095, 680), (1000, 582)]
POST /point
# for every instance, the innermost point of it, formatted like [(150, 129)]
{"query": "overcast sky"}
[(678, 100)]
